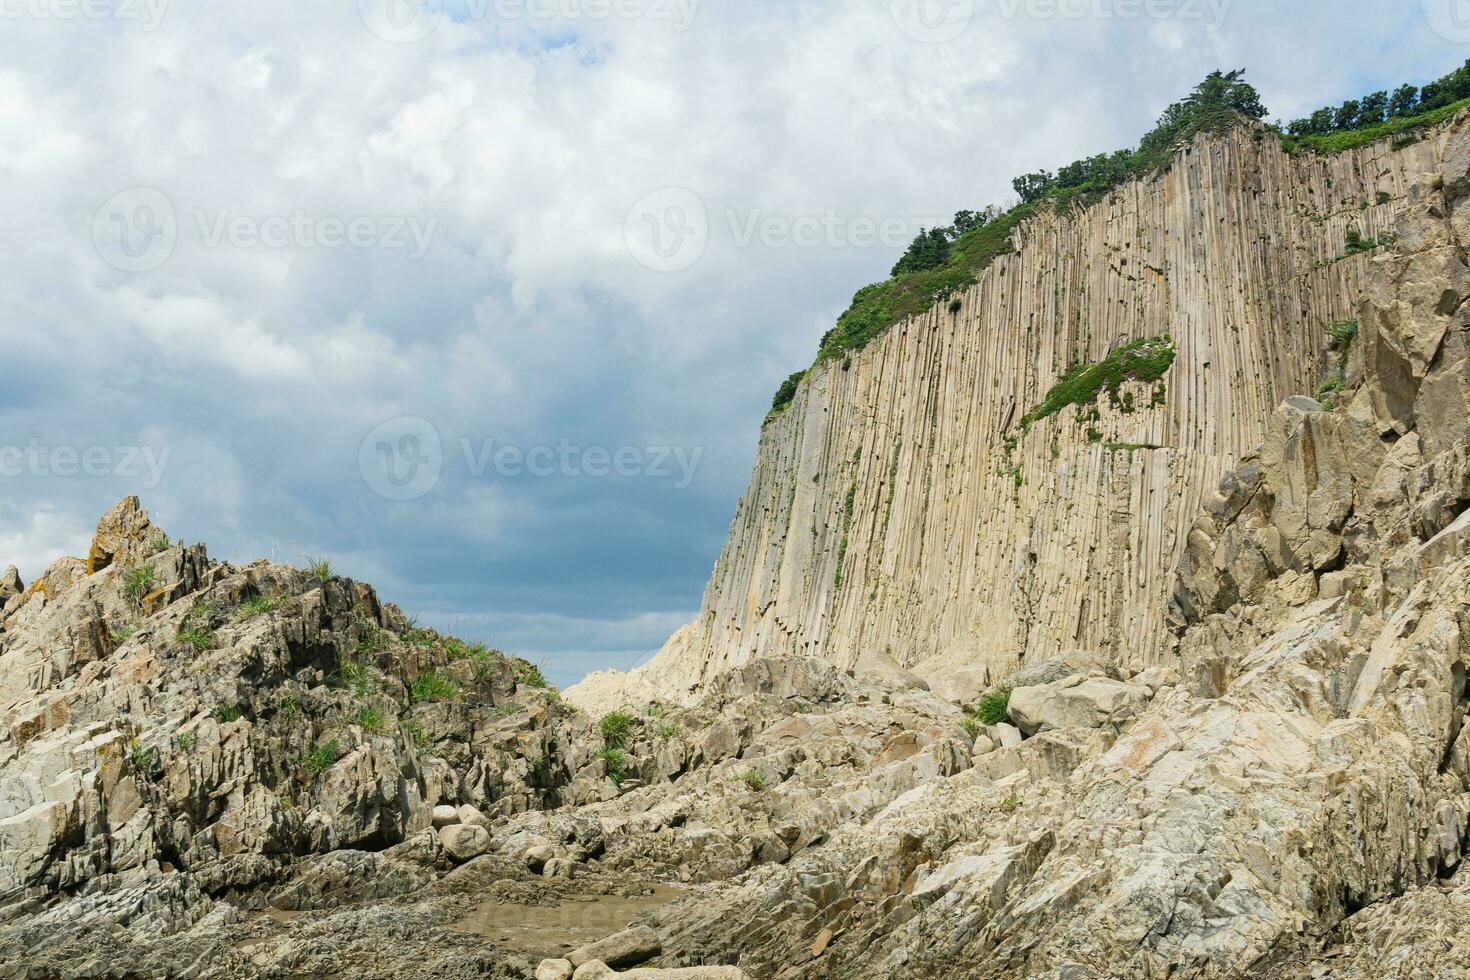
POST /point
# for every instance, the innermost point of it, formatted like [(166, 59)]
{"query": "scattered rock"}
[(1075, 702), (462, 842), (554, 970), (627, 948)]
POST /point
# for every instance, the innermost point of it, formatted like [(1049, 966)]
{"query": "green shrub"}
[(322, 757), (530, 674), (1145, 361), (666, 730), (615, 726), (185, 740), (785, 394), (991, 708), (369, 718), (159, 544), (198, 637), (144, 759), (138, 583), (972, 726), (455, 648), (415, 731), (356, 675), (433, 686), (287, 709), (228, 713), (258, 604), (320, 568), (374, 640), (616, 762), (754, 778)]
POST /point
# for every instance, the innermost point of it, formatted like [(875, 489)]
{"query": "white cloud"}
[(527, 318)]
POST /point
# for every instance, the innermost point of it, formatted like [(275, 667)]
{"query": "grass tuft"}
[(991, 709), (615, 726), (258, 605), (616, 761), (433, 686), (138, 583), (321, 757)]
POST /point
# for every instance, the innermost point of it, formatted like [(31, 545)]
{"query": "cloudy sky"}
[(486, 299)]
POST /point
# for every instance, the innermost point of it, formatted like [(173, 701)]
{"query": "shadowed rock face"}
[(217, 770)]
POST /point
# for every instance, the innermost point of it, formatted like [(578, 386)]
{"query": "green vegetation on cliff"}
[(1379, 115), (942, 262), (1145, 361)]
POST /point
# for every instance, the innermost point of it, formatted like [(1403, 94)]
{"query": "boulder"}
[(446, 815), (1075, 702), (462, 842), (626, 948), (537, 857), (554, 970), (472, 816), (880, 671), (1007, 736)]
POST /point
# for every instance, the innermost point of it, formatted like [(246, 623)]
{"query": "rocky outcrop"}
[(897, 507)]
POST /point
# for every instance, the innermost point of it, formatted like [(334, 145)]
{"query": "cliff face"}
[(886, 513)]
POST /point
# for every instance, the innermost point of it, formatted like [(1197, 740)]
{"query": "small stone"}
[(446, 815)]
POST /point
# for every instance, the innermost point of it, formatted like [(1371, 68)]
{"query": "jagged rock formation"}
[(886, 514)]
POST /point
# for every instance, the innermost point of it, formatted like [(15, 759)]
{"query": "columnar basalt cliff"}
[(900, 506)]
